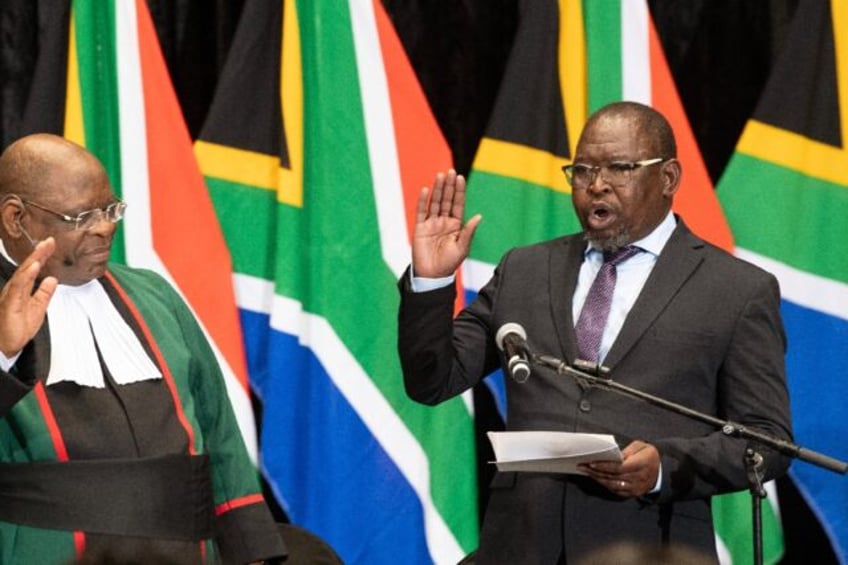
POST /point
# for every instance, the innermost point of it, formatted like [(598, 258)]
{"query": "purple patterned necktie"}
[(593, 317)]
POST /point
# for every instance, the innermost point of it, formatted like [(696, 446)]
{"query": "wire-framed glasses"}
[(89, 218), (617, 173)]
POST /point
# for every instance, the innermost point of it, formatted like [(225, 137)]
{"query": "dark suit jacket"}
[(705, 332)]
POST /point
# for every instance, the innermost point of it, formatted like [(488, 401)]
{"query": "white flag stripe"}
[(475, 274), (379, 130), (635, 52), (348, 376), (133, 138), (316, 333), (135, 186), (724, 556), (803, 288)]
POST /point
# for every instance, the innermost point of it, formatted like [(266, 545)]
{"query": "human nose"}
[(100, 223), (597, 182)]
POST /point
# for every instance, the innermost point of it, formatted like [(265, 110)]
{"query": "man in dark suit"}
[(687, 322)]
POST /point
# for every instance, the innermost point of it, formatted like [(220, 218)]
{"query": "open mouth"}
[(600, 217)]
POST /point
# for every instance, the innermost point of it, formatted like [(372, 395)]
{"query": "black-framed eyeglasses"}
[(114, 212), (617, 173)]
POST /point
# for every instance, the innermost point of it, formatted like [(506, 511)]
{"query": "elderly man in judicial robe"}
[(116, 432)]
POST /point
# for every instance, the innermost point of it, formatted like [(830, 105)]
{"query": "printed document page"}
[(551, 452)]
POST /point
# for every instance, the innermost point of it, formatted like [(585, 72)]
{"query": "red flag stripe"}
[(186, 234), (696, 200), (422, 149)]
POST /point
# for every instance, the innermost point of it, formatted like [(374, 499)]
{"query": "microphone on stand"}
[(585, 373), (592, 368), (512, 340)]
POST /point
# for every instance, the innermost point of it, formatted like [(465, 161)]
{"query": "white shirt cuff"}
[(658, 484), (423, 284)]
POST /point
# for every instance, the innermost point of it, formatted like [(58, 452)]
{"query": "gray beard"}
[(610, 244)]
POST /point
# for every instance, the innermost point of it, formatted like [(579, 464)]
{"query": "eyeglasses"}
[(617, 173), (88, 219)]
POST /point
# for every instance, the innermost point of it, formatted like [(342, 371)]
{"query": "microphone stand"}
[(588, 374)]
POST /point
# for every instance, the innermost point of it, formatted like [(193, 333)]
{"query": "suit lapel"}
[(680, 257), (564, 269)]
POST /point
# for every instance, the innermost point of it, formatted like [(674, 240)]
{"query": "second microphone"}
[(512, 340)]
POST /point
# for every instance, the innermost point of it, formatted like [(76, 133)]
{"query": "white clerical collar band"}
[(6, 255), (83, 320)]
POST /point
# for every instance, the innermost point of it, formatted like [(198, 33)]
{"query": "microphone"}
[(511, 339)]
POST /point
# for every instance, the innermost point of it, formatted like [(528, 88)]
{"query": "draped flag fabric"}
[(785, 193), (116, 99), (579, 56), (317, 143)]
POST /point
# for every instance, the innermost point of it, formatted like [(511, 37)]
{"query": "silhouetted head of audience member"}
[(631, 553)]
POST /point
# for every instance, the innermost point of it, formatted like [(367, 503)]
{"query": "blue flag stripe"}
[(347, 486), (826, 429)]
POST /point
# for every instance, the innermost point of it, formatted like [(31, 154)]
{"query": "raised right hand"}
[(22, 311), (440, 242)]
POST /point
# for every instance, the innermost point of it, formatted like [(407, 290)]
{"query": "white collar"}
[(81, 320)]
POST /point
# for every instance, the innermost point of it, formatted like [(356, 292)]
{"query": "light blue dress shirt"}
[(631, 277)]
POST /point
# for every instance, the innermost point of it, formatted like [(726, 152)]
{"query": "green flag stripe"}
[(732, 517), (98, 76), (603, 51), (515, 212), (248, 225), (354, 270), (814, 208), (335, 244)]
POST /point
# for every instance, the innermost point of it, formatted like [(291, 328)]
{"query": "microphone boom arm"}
[(585, 377)]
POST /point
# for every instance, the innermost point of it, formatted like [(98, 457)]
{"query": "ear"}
[(11, 210), (672, 171)]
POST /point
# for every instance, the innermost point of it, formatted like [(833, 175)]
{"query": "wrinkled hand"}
[(440, 242), (22, 311), (634, 476)]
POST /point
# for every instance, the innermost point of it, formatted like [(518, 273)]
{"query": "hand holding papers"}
[(551, 452)]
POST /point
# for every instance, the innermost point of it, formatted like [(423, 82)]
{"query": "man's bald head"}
[(45, 182), (644, 119), (31, 166)]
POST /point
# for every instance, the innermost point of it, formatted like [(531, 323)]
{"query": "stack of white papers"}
[(551, 452)]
